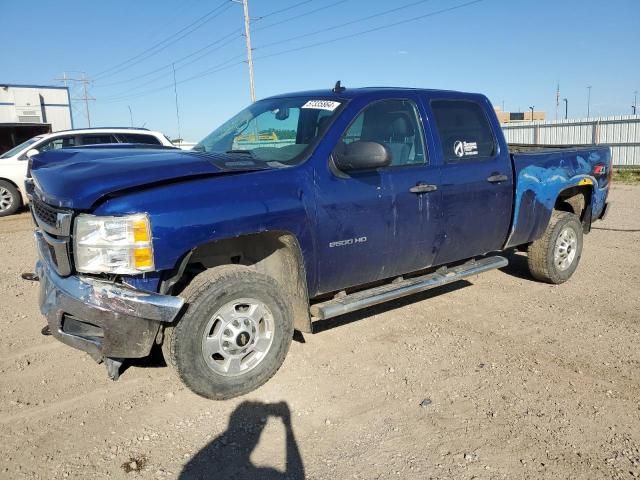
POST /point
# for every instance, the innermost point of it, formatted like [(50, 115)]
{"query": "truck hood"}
[(78, 177)]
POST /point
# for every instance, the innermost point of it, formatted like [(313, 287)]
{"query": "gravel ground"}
[(495, 377)]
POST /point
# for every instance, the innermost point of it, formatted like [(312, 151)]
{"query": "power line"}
[(231, 36), (375, 29), (295, 17), (162, 45), (167, 66), (222, 66), (351, 22)]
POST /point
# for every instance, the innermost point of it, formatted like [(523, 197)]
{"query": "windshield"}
[(277, 131), (15, 150)]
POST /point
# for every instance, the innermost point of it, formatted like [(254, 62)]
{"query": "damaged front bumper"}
[(104, 319)]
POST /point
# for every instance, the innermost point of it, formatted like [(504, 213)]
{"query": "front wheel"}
[(10, 199), (234, 335), (554, 257)]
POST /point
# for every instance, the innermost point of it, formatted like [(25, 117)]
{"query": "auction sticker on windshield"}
[(322, 104)]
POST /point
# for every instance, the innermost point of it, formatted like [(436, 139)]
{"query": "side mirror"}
[(362, 155), (32, 152)]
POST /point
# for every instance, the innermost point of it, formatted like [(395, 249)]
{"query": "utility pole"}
[(175, 91), (588, 100), (566, 108), (85, 92), (130, 115), (531, 108), (247, 36), (557, 99)]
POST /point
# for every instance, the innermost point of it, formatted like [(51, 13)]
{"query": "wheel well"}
[(576, 200), (276, 254)]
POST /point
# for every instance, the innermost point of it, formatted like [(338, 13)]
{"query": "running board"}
[(402, 288)]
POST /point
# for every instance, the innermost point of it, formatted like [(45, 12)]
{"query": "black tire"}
[(207, 293), (541, 253), (10, 198)]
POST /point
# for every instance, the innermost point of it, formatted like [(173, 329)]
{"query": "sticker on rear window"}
[(322, 105), (462, 149)]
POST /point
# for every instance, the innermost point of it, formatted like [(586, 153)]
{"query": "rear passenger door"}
[(476, 181)]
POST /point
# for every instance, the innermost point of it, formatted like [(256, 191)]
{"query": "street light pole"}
[(531, 108), (588, 100), (566, 108), (635, 102)]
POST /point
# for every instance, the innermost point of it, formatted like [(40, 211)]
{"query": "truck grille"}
[(45, 213), (55, 226)]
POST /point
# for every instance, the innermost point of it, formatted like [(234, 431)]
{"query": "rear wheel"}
[(10, 199), (554, 257), (234, 335)]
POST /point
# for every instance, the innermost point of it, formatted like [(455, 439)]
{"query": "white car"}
[(14, 163)]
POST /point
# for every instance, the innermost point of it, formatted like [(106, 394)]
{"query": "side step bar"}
[(391, 291)]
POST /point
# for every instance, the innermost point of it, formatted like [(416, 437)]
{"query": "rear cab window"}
[(464, 130)]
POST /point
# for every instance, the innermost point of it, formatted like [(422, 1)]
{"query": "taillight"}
[(599, 170)]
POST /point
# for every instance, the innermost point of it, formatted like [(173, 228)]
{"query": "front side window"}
[(57, 143), (393, 123), (280, 130), (465, 133)]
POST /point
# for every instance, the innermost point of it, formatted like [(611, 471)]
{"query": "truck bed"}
[(541, 172)]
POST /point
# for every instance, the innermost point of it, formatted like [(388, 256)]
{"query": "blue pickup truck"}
[(300, 208)]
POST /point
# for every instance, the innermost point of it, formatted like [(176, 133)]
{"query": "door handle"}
[(497, 178), (423, 188)]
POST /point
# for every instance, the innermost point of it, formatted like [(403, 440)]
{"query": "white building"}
[(29, 110)]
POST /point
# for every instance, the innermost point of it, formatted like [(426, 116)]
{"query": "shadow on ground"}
[(228, 455)]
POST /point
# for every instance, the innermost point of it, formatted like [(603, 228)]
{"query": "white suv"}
[(14, 163)]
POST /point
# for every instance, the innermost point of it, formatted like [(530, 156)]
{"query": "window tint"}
[(393, 123), (56, 143), (138, 138), (98, 139), (464, 130)]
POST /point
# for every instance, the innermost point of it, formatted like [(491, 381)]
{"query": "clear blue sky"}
[(514, 51)]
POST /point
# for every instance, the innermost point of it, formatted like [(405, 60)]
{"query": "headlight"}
[(120, 245)]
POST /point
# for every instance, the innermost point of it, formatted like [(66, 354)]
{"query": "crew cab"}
[(14, 163), (302, 207)]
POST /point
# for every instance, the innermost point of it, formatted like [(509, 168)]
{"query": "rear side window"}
[(465, 132), (138, 138), (98, 139)]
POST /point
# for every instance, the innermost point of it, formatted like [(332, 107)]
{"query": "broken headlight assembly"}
[(116, 245)]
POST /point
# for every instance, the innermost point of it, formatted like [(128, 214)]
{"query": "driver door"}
[(374, 223)]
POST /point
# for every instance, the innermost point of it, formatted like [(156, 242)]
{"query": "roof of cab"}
[(349, 93)]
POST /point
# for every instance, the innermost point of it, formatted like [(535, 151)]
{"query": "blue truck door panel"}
[(371, 225), (477, 178)]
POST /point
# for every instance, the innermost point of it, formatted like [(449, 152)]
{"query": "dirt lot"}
[(498, 377)]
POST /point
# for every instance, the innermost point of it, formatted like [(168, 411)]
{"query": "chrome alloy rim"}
[(566, 248), (6, 199), (238, 337)]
